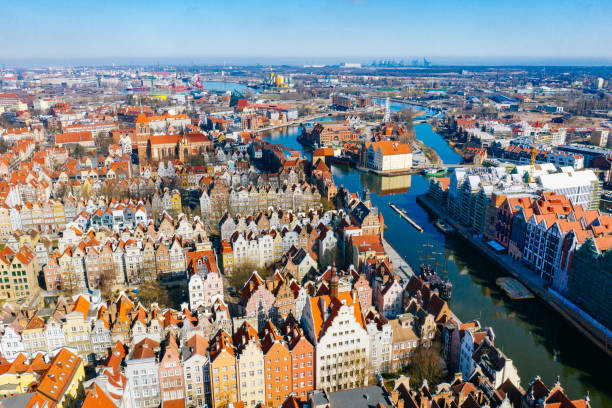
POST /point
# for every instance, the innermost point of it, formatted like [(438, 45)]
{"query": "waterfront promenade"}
[(400, 266), (528, 278)]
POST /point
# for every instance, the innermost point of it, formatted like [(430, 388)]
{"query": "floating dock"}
[(514, 289), (405, 216)]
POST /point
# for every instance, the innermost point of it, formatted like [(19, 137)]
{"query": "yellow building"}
[(227, 257), (250, 362), (76, 328), (17, 273), (175, 202), (58, 214), (223, 370), (18, 376), (6, 227), (33, 336)]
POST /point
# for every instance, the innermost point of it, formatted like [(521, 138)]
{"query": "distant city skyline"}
[(570, 32)]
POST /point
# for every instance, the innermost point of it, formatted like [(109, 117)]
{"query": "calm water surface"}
[(536, 339)]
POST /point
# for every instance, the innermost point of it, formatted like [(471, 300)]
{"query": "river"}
[(537, 340)]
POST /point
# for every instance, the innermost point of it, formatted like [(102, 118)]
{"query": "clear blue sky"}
[(317, 29)]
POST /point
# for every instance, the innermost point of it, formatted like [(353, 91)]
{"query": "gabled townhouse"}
[(142, 372), (334, 324), (223, 372), (256, 300), (277, 365), (302, 361), (171, 371), (250, 364)]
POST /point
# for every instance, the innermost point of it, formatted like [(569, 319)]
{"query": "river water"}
[(537, 340)]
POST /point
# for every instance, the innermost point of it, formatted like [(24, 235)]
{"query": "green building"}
[(589, 283)]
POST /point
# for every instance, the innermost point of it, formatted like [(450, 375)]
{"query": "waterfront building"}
[(580, 187), (388, 156), (590, 279)]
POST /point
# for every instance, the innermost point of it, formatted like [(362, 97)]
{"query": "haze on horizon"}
[(563, 32)]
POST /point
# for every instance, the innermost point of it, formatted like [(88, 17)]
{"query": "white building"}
[(580, 187), (388, 156), (204, 289), (335, 326), (381, 336), (10, 344), (143, 375)]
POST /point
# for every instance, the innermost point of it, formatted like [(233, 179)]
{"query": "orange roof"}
[(74, 137), (165, 139), (82, 306), (334, 304), (177, 403), (59, 376), (97, 398), (390, 147)]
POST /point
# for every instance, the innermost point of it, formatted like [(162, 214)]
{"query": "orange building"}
[(277, 366), (302, 361)]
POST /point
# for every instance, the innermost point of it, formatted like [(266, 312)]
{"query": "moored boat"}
[(444, 287), (435, 172)]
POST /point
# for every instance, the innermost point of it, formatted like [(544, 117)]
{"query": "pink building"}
[(364, 291), (52, 274), (171, 372), (257, 300)]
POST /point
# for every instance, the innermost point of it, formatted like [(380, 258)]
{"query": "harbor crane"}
[(534, 149)]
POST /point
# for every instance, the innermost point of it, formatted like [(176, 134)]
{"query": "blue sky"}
[(311, 30)]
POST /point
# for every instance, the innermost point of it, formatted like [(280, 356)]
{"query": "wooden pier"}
[(405, 216)]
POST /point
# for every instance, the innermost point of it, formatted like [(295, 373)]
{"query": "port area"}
[(590, 328), (513, 288), (400, 266)]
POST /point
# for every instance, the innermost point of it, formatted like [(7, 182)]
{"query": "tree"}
[(78, 151), (4, 145), (103, 143), (107, 286), (195, 160), (152, 291), (426, 364)]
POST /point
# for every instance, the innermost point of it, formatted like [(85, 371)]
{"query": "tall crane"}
[(534, 148)]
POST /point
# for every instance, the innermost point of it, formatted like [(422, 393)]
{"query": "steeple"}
[(333, 282)]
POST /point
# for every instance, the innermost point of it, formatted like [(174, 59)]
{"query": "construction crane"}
[(534, 149)]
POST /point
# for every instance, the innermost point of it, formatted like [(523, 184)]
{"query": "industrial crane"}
[(534, 149)]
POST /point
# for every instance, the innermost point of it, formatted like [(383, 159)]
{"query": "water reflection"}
[(536, 339)]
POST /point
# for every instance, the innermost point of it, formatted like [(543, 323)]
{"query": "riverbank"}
[(529, 279)]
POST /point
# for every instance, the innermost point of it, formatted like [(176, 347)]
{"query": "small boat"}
[(435, 172), (361, 169), (444, 287), (444, 227)]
